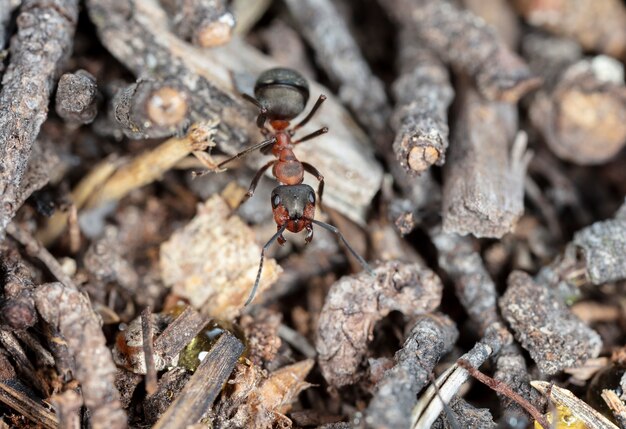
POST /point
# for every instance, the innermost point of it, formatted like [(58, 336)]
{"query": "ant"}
[(281, 94)]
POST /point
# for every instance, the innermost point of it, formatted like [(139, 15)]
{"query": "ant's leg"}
[(308, 117), (312, 170), (246, 151), (312, 135), (255, 181), (262, 118), (309, 233)]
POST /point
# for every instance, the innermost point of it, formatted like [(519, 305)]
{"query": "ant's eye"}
[(312, 198), (275, 200)]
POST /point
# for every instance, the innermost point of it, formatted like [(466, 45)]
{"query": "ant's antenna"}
[(258, 274), (246, 151), (340, 235)]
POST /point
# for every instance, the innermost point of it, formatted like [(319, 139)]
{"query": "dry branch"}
[(483, 192), (38, 52), (355, 303), (76, 97), (70, 311), (431, 337), (339, 55), (205, 384), (139, 36), (151, 108)]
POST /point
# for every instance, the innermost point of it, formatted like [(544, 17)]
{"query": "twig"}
[(430, 338), (483, 191), (17, 310), (206, 23), (151, 108), (41, 46), (178, 334), (428, 409), (205, 384), (71, 312), (504, 389), (147, 331), (76, 97), (37, 250), (24, 366), (340, 56), (299, 342)]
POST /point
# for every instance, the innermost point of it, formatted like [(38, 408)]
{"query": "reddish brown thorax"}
[(279, 124)]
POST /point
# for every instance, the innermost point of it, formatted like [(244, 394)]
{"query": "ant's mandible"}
[(281, 94)]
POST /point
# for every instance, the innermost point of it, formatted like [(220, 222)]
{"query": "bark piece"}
[(71, 312), (431, 337), (464, 40), (169, 387), (596, 25), (483, 192), (355, 303), (17, 306), (554, 337), (465, 415), (188, 261), (38, 51), (500, 15), (151, 108), (205, 384), (76, 97), (206, 23), (138, 35), (339, 55)]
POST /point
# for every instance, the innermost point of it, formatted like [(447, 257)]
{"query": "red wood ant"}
[(281, 94)]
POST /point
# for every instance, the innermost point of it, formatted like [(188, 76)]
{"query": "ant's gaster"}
[(281, 94)]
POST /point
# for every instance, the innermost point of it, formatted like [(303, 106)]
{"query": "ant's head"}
[(283, 92), (293, 205)]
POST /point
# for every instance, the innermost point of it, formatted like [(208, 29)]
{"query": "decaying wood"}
[(286, 46), (76, 97), (581, 112), (431, 337), (462, 414), (178, 334), (355, 303), (37, 249), (70, 311), (500, 15), (138, 35), (38, 52), (14, 394), (339, 55), (206, 23), (500, 74), (151, 108), (596, 25), (483, 192), (583, 412), (554, 337), (616, 405), (170, 385), (17, 308), (24, 366), (205, 384)]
